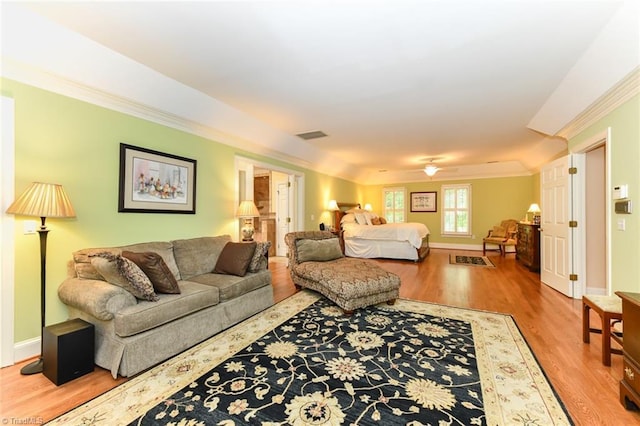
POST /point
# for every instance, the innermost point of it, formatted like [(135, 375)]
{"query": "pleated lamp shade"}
[(43, 200), (246, 209)]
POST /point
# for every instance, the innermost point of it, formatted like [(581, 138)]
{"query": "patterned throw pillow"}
[(234, 259), (262, 248), (122, 272), (156, 269)]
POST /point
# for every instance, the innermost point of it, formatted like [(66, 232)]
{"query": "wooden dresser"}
[(528, 247), (630, 383)]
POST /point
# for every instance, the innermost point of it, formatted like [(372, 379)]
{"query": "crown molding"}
[(36, 77), (620, 93)]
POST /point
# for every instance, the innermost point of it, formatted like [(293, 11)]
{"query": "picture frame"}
[(155, 182), (424, 202)]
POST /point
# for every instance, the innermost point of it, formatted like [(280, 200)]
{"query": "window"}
[(394, 204), (456, 211)]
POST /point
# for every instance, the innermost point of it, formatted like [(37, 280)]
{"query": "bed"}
[(362, 236)]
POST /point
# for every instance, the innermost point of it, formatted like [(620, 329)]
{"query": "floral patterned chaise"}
[(316, 262)]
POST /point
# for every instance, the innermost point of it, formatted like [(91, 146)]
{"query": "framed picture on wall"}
[(155, 182), (424, 202)]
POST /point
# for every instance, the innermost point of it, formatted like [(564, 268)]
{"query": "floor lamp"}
[(42, 200)]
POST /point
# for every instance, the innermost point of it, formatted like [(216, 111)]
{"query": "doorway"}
[(578, 263), (279, 195)]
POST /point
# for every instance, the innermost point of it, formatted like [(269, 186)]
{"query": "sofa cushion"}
[(156, 269), (147, 315), (163, 248), (197, 256), (122, 272), (231, 286), (235, 258), (318, 250), (259, 259), (82, 262)]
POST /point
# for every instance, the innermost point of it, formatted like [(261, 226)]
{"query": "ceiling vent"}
[(312, 135)]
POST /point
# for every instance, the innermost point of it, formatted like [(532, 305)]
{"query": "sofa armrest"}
[(97, 298)]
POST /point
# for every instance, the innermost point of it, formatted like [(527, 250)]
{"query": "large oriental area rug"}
[(303, 362)]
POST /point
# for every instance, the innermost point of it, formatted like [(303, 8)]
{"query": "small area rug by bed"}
[(303, 362), (459, 259)]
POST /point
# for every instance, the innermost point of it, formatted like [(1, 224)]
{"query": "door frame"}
[(7, 233), (296, 193), (602, 138)]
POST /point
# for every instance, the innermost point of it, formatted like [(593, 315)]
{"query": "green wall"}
[(624, 148), (492, 200), (76, 144)]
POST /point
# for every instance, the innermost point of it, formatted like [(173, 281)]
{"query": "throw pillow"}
[(156, 269), (375, 221), (262, 248), (383, 221), (499, 232), (234, 258), (318, 250), (122, 272)]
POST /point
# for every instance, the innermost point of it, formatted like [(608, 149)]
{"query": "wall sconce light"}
[(368, 207), (333, 206), (247, 210)]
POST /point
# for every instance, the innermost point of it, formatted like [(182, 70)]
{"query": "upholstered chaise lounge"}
[(316, 262)]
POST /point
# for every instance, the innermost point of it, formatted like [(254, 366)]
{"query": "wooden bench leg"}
[(606, 339), (586, 327)]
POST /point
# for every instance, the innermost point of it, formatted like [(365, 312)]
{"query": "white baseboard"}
[(600, 291), (474, 247), (451, 246), (26, 349)]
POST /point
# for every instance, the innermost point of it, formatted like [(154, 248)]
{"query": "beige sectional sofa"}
[(133, 334)]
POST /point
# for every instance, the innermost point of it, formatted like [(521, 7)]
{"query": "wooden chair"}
[(503, 236)]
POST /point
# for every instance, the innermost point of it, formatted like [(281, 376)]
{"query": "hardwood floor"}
[(550, 322)]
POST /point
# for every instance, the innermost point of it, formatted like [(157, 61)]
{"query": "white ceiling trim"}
[(65, 62), (626, 89), (609, 59)]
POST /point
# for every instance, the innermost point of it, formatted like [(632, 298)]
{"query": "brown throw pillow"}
[(375, 221), (234, 259), (383, 221), (156, 269)]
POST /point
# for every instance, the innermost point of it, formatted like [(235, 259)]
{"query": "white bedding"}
[(413, 232)]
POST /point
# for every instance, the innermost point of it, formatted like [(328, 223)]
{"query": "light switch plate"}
[(29, 227)]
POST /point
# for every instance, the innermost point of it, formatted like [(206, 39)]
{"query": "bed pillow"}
[(348, 218), (120, 271), (361, 219), (156, 269), (318, 250), (235, 258)]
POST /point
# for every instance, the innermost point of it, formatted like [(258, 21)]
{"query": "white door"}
[(555, 234), (283, 218)]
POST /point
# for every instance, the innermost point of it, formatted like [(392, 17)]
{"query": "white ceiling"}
[(393, 83)]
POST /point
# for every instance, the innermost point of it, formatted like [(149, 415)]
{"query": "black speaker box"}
[(67, 350)]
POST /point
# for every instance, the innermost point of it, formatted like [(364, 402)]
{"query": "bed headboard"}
[(342, 208)]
